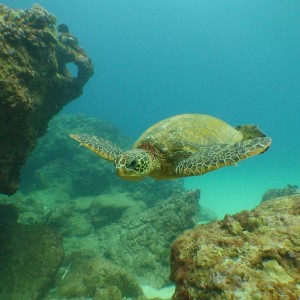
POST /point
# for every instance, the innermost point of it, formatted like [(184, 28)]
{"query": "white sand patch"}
[(164, 293)]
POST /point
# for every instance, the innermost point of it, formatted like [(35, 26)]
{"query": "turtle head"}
[(134, 164)]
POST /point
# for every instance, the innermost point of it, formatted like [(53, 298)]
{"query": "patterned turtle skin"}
[(181, 146)]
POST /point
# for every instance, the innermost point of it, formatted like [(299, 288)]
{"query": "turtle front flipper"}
[(105, 149), (217, 156)]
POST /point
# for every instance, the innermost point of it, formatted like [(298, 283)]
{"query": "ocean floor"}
[(233, 189)]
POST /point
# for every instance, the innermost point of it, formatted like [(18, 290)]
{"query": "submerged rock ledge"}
[(250, 255), (35, 83)]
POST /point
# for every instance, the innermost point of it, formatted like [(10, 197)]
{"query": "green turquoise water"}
[(236, 60)]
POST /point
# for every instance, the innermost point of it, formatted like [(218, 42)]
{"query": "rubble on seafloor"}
[(35, 83), (250, 255)]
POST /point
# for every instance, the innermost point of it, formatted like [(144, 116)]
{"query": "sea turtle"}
[(180, 146)]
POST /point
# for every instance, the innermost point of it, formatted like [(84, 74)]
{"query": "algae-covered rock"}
[(276, 193), (110, 293), (250, 255), (65, 219), (35, 83), (29, 257), (109, 208), (86, 274), (141, 241)]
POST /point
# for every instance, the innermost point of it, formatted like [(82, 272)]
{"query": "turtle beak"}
[(120, 171), (124, 173)]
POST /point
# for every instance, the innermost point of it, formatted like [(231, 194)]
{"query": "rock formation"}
[(289, 190), (250, 255), (35, 83), (141, 240)]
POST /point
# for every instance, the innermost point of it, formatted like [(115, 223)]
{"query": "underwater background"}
[(236, 60)]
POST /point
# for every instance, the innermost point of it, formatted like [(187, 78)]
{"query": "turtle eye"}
[(132, 164)]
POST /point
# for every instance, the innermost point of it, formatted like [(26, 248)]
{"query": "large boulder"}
[(250, 255), (35, 83)]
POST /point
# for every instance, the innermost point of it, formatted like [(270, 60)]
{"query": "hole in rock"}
[(72, 68)]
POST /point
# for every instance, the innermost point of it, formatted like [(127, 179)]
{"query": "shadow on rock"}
[(29, 257)]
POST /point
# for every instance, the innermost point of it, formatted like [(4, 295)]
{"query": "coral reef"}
[(141, 240), (29, 257), (35, 83), (250, 255)]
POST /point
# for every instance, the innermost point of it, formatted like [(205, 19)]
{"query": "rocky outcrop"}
[(141, 240), (29, 257), (35, 83), (251, 255)]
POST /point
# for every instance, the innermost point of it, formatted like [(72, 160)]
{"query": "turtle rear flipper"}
[(217, 156), (105, 149)]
